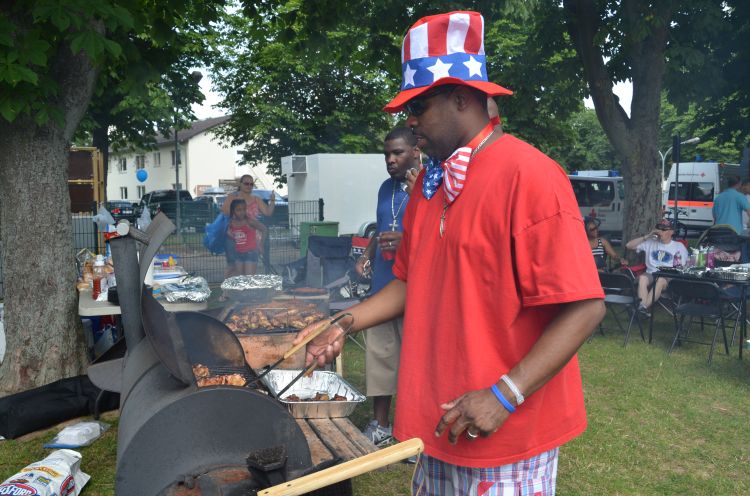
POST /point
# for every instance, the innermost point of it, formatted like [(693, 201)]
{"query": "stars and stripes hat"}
[(444, 49)]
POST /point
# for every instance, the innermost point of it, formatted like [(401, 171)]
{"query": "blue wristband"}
[(502, 399)]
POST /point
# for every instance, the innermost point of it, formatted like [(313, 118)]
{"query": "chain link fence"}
[(281, 245)]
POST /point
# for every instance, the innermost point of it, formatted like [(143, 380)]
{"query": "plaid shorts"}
[(535, 476)]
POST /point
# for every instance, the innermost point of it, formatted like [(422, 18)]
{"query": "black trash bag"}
[(49, 405)]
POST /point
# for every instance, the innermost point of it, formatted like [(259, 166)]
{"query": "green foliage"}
[(142, 49), (304, 77), (590, 149), (687, 125), (149, 87), (709, 68), (30, 36), (533, 57)]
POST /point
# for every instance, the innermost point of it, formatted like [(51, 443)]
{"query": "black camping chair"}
[(697, 299), (328, 259), (621, 297), (330, 265)]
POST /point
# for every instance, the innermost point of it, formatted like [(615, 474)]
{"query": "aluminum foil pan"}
[(192, 289), (329, 383), (258, 281)]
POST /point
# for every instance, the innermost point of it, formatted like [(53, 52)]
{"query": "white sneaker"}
[(378, 434)]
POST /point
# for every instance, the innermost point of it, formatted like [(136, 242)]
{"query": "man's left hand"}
[(390, 240), (474, 413)]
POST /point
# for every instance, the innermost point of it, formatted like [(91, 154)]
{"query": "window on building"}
[(157, 159), (140, 161), (123, 193), (123, 164), (178, 158), (141, 191)]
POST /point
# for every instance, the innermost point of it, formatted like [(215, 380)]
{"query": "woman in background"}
[(255, 204), (601, 249)]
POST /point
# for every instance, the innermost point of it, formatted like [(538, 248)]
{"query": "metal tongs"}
[(308, 370), (299, 346)]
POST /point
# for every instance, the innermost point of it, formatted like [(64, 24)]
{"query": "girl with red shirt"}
[(242, 241)]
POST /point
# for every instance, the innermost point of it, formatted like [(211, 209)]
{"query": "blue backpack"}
[(216, 233)]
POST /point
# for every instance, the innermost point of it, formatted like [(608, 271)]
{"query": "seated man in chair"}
[(661, 251)]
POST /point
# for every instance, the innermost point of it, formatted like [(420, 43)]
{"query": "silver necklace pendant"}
[(442, 219), (394, 212)]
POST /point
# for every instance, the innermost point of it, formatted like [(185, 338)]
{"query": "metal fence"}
[(281, 246)]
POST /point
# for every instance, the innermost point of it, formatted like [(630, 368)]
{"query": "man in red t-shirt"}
[(494, 306)]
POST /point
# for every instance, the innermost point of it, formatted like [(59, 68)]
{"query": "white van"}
[(700, 182), (601, 197)]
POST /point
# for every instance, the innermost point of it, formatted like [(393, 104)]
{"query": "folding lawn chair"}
[(697, 299), (620, 293)]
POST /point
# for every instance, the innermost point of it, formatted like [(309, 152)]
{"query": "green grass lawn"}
[(658, 424)]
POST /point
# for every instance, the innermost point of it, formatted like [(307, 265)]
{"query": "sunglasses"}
[(248, 184), (663, 228), (417, 106)]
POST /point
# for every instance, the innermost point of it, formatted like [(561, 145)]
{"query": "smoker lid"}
[(164, 334), (210, 342), (182, 339)]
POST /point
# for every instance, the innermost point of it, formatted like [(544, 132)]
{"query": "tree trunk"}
[(634, 138), (45, 340), (641, 177)]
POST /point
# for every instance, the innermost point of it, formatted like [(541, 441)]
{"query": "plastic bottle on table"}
[(677, 260), (701, 258), (99, 275)]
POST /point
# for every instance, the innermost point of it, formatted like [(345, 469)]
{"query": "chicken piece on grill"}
[(312, 318), (222, 380), (200, 371)]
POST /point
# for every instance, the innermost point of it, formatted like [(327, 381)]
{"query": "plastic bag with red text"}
[(58, 474)]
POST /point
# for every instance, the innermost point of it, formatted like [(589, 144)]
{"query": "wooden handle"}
[(312, 336), (294, 349), (347, 470)]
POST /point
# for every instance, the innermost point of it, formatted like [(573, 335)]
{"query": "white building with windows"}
[(204, 162)]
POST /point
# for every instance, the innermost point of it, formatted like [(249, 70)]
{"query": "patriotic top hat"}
[(444, 49)]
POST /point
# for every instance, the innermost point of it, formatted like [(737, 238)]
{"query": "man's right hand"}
[(324, 347), (411, 179)]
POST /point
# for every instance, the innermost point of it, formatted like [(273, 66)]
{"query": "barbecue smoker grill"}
[(175, 438)]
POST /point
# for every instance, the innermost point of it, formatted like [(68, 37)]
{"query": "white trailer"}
[(347, 183)]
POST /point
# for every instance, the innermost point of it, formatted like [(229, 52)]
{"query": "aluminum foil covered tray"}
[(258, 281), (256, 288), (732, 273), (321, 382)]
